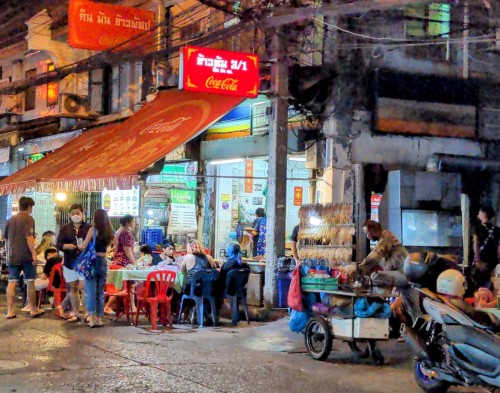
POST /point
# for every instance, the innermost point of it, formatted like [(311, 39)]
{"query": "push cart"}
[(361, 334)]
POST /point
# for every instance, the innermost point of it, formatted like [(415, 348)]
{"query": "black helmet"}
[(415, 267)]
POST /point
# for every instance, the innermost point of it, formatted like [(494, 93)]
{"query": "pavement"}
[(50, 355)]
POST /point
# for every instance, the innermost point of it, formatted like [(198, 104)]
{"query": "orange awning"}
[(112, 156)]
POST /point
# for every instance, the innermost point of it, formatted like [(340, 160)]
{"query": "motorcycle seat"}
[(481, 319), (474, 337)]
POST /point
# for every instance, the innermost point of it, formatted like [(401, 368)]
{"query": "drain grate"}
[(12, 364)]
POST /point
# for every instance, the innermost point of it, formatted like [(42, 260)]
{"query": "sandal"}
[(87, 319), (37, 314), (74, 318), (11, 316)]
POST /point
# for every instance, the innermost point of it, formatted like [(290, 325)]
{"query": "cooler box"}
[(376, 328), (319, 284), (284, 280)]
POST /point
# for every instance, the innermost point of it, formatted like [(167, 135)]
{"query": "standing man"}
[(70, 237), (486, 248), (20, 231), (389, 254)]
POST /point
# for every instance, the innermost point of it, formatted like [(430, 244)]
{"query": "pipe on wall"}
[(456, 163)]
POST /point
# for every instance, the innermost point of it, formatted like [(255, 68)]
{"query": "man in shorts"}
[(20, 236)]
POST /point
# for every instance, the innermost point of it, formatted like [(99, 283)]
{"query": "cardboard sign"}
[(182, 218)]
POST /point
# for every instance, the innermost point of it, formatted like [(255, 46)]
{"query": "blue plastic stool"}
[(206, 279)]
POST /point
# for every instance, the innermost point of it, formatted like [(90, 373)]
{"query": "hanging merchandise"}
[(326, 234)]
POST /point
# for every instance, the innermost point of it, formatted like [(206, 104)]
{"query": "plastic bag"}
[(364, 309), (295, 292), (298, 320)]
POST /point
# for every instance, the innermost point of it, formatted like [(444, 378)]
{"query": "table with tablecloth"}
[(118, 276)]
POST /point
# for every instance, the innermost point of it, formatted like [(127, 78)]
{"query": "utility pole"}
[(276, 183)]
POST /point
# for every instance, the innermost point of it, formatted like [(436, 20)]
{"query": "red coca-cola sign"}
[(219, 71)]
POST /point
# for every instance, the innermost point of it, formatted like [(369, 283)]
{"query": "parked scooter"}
[(453, 343)]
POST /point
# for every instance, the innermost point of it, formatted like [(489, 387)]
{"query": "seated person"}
[(146, 259), (167, 254), (52, 258), (487, 297), (195, 261), (163, 252), (484, 298), (451, 285), (233, 262)]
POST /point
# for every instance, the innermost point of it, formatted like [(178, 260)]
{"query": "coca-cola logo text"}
[(229, 84), (161, 126)]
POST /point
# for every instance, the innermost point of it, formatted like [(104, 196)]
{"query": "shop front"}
[(241, 187)]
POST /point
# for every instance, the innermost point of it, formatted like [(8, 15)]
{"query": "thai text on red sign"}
[(100, 26), (218, 71), (248, 176), (298, 193)]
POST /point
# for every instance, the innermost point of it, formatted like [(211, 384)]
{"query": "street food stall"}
[(338, 305)]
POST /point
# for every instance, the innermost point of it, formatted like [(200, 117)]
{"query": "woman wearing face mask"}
[(67, 242)]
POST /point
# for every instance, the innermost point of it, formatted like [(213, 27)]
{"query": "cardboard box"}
[(373, 328)]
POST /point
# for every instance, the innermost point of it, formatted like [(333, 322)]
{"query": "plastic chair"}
[(236, 282), (58, 292), (205, 280), (155, 296), (122, 300)]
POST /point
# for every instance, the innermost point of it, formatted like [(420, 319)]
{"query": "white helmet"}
[(452, 283)]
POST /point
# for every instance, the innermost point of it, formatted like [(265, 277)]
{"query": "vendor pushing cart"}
[(360, 331)]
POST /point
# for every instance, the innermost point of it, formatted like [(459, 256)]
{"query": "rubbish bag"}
[(298, 320), (364, 309), (295, 292)]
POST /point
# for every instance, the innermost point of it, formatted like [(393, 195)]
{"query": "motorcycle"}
[(453, 344)]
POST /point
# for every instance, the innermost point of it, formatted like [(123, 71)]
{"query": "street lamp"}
[(61, 196)]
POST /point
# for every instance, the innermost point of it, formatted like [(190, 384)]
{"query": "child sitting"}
[(146, 258)]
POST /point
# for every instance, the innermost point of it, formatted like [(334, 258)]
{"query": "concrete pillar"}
[(276, 196), (360, 200)]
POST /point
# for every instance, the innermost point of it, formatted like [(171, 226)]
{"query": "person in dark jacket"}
[(233, 262)]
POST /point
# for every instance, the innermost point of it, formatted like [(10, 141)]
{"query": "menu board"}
[(182, 212), (119, 203)]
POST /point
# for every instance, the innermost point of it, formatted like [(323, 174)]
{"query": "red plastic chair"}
[(58, 292), (157, 295), (122, 303)]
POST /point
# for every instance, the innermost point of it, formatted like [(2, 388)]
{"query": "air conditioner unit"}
[(73, 105), (10, 104)]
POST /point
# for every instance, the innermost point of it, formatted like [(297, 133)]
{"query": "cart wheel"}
[(318, 338), (360, 348)]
